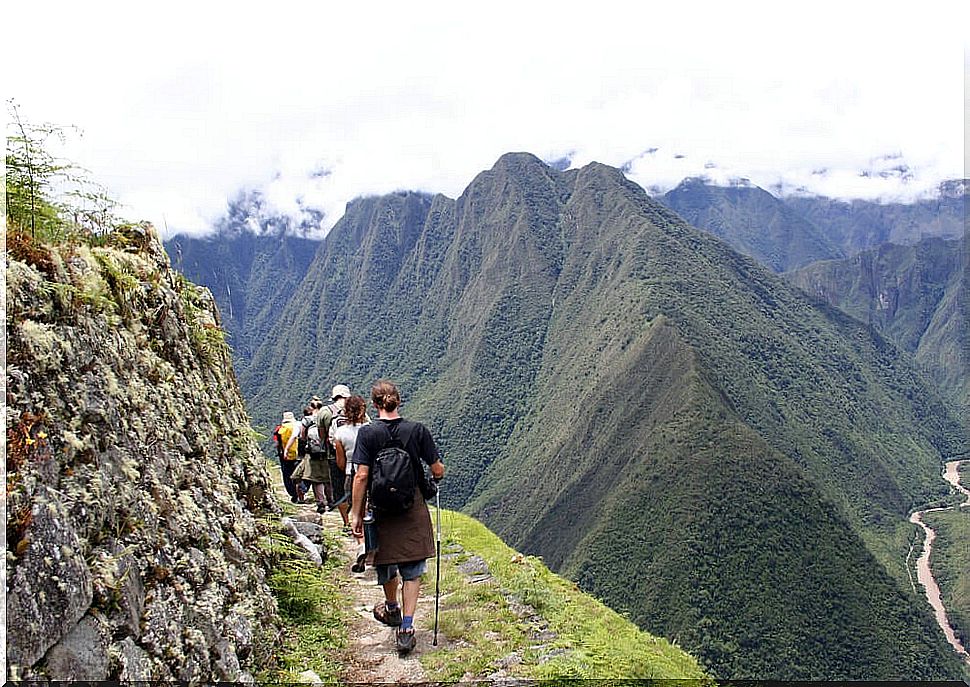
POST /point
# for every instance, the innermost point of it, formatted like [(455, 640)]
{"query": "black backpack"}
[(396, 474)]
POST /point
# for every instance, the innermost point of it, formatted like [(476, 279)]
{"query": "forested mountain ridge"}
[(563, 325), (753, 221), (252, 264), (857, 225), (792, 231), (916, 295)]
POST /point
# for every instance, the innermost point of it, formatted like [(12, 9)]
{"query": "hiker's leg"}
[(287, 467), (348, 490), (337, 482), (319, 492), (412, 589), (411, 574), (387, 577), (388, 611)]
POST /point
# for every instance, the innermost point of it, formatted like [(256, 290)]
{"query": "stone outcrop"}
[(134, 482)]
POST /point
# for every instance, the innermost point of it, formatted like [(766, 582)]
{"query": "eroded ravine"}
[(924, 573)]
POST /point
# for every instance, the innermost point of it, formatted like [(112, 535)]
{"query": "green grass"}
[(478, 625), (314, 611)]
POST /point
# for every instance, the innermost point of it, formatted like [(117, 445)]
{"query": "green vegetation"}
[(753, 222), (583, 638), (951, 561), (629, 398), (860, 225), (250, 275), (208, 337), (912, 295), (79, 210), (312, 607)]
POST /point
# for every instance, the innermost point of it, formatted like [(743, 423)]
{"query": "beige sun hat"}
[(340, 391)]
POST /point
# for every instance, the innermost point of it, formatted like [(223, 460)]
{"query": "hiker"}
[(286, 451), (328, 419), (315, 405), (315, 471), (344, 441), (404, 541)]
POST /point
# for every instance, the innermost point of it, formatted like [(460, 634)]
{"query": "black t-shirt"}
[(373, 437)]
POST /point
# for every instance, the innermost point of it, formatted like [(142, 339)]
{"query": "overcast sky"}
[(182, 104)]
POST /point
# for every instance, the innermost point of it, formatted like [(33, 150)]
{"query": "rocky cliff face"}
[(134, 485)]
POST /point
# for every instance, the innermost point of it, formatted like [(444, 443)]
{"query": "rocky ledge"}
[(134, 483)]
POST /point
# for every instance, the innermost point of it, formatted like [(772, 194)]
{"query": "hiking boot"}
[(359, 566), (387, 615), (405, 641), (322, 508)]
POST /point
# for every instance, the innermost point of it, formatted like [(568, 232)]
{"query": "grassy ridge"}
[(585, 638), (480, 624)]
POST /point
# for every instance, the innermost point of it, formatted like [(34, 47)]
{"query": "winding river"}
[(923, 572)]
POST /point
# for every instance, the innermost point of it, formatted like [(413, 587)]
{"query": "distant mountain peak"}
[(954, 188), (250, 213), (518, 161)]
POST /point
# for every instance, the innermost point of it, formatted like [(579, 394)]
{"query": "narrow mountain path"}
[(371, 656), (923, 571)]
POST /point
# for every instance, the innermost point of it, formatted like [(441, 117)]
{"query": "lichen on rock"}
[(134, 479)]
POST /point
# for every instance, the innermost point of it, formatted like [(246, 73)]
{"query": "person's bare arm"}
[(341, 454), (293, 439), (359, 497)]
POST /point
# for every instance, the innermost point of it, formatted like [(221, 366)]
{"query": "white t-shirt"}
[(347, 435)]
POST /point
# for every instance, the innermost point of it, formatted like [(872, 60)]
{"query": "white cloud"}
[(188, 103)]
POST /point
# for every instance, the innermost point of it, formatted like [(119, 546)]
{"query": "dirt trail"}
[(371, 656), (925, 574)]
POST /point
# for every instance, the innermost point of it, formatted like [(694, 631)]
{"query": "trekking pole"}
[(437, 575)]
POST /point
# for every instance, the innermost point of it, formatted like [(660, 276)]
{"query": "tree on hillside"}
[(49, 197)]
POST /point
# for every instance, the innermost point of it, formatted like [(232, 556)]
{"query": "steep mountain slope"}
[(587, 358), (859, 224), (753, 222), (912, 294), (252, 264), (687, 521)]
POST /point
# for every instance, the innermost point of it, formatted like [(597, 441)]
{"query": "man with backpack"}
[(315, 473), (328, 419), (390, 456)]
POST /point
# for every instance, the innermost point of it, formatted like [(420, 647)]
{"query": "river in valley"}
[(923, 572)]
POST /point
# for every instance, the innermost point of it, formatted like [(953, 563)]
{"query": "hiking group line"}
[(376, 475)]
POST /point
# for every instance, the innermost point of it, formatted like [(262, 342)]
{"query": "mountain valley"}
[(707, 448)]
